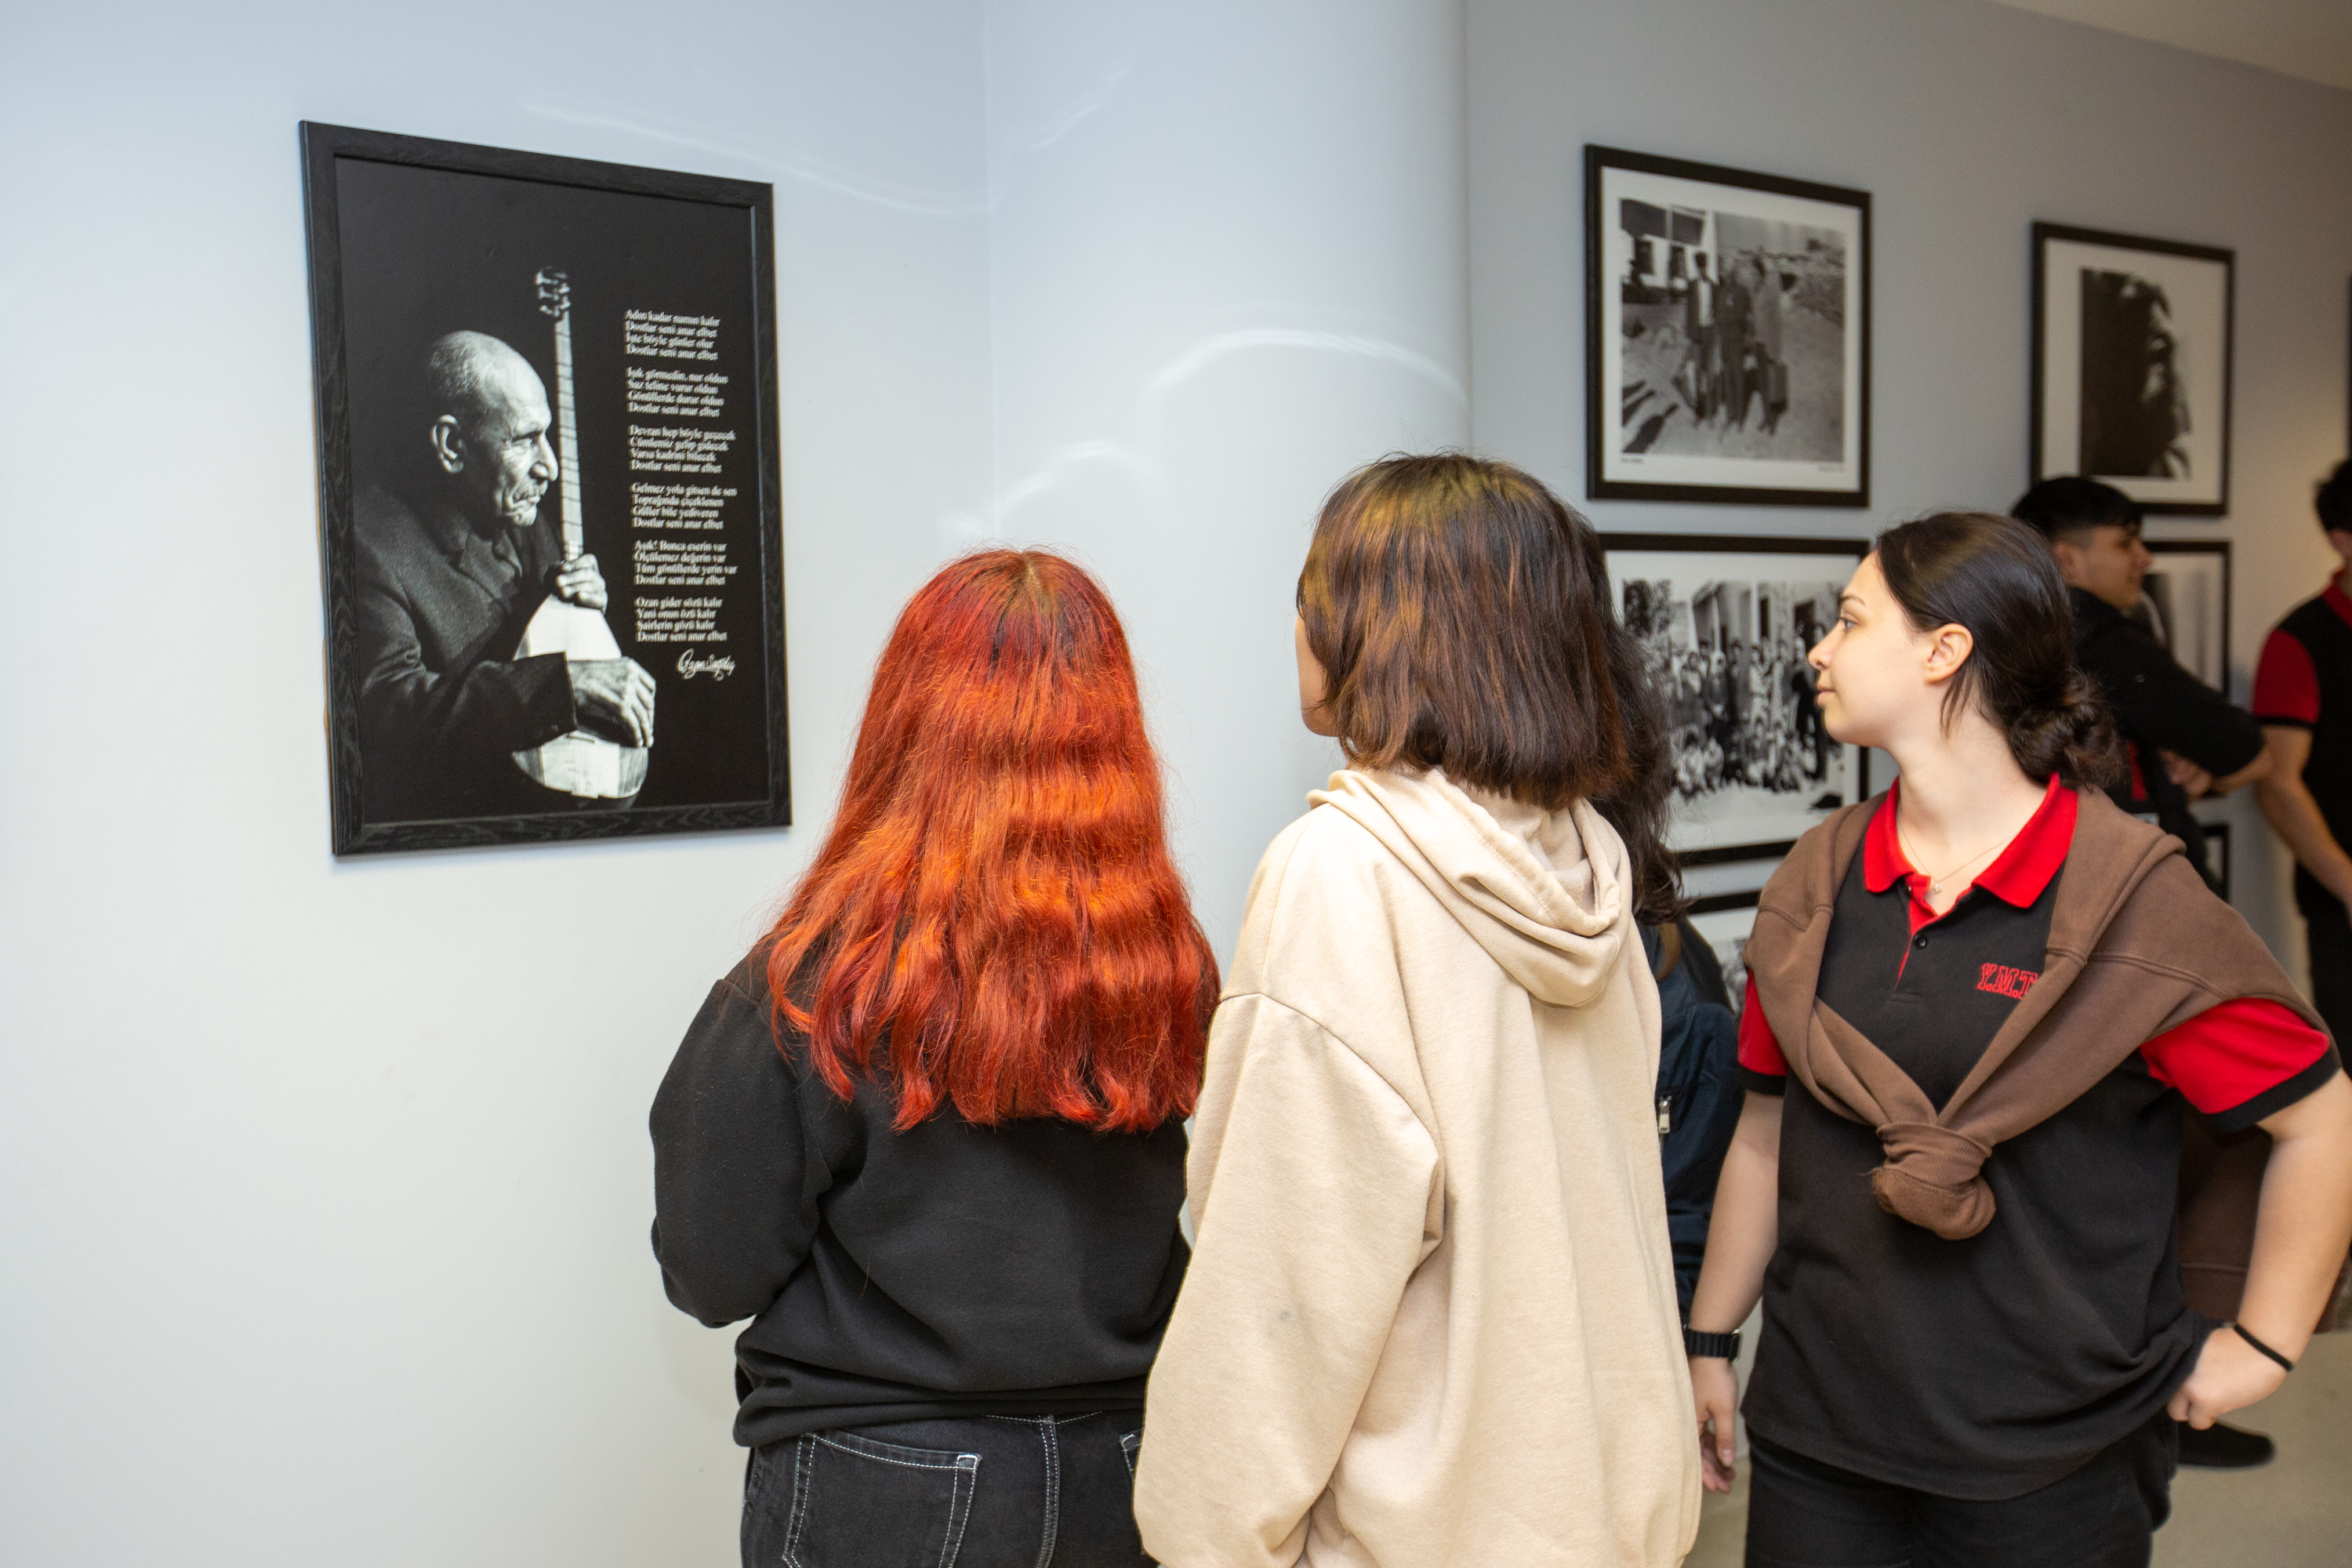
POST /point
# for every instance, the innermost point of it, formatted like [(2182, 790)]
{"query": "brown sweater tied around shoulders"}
[(2137, 945)]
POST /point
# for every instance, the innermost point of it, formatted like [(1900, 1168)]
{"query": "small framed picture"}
[(548, 494), (2217, 854), (1726, 336), (2131, 365), (2184, 603), (1725, 921), (1727, 622)]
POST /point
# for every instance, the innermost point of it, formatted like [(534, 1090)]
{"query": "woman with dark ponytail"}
[(1995, 992)]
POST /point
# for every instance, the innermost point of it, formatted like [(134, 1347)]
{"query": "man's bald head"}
[(489, 422)]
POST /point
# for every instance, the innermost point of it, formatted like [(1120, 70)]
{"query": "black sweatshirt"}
[(1025, 1269)]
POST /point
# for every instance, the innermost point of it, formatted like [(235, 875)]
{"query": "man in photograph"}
[(2302, 697), (453, 562), (2185, 740)]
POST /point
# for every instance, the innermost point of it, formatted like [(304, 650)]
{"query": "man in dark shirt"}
[(2186, 739), (2302, 697)]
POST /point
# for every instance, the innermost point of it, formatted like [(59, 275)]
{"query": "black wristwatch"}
[(1724, 1345)]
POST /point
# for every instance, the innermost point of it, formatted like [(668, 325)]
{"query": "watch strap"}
[(1724, 1345)]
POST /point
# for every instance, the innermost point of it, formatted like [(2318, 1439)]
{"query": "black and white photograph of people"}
[(1737, 349), (455, 559)]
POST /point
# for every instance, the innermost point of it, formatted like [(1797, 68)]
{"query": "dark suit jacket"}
[(444, 703)]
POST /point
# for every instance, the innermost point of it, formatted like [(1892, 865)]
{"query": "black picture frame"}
[(2138, 325), (2186, 604), (1631, 409), (2217, 854), (410, 239), (1743, 788)]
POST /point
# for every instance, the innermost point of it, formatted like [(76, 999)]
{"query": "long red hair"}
[(995, 910)]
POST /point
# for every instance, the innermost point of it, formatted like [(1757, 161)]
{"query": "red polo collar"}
[(2336, 600), (2016, 877)]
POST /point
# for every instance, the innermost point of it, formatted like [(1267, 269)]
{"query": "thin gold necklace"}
[(1935, 883)]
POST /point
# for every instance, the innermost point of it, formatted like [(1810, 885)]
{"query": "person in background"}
[(2184, 740), (1431, 1317), (1992, 991), (1732, 304), (928, 1136), (1698, 1086), (1772, 359), (1698, 334), (2302, 697)]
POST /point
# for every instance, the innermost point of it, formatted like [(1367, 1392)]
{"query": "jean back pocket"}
[(858, 1503)]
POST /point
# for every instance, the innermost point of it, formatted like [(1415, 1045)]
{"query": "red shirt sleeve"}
[(2238, 1062), (1759, 1052), (2286, 688)]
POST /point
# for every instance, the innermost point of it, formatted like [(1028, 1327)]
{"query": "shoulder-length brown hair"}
[(1461, 613)]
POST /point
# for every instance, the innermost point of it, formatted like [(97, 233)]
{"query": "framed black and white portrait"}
[(2131, 365), (1727, 334), (2184, 602), (548, 483), (1727, 622)]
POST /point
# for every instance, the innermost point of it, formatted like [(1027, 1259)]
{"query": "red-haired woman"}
[(1432, 1320), (928, 1135)]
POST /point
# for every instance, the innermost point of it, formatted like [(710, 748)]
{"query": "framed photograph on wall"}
[(2131, 365), (1727, 327), (548, 494), (2184, 601), (1725, 921), (1726, 621)]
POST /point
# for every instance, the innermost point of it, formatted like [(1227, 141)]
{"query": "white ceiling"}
[(2308, 38)]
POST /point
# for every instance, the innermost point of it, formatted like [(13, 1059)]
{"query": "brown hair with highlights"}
[(1461, 613)]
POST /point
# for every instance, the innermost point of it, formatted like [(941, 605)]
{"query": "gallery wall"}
[(1967, 122), (323, 1186)]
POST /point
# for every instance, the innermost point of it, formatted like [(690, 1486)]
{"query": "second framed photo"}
[(2131, 365), (2184, 601), (1727, 622), (1726, 336)]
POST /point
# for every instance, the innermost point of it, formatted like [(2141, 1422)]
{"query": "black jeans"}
[(1802, 1513), (979, 1491)]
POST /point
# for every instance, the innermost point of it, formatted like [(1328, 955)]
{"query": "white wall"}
[(323, 1188), (1966, 121)]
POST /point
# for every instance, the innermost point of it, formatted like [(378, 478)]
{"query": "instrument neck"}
[(567, 441)]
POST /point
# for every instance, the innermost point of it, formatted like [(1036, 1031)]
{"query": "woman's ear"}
[(1949, 648)]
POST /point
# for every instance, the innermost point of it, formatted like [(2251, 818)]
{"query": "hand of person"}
[(2230, 1375), (617, 695), (577, 582), (2194, 781), (1716, 1387)]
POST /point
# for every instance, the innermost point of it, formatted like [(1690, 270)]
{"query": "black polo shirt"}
[(2305, 681), (2159, 704), (1991, 1366)]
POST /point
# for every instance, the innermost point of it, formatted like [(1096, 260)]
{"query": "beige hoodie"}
[(1431, 1314)]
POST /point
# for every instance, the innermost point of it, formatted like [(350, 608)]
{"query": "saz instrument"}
[(583, 763)]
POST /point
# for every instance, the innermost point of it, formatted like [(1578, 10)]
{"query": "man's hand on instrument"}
[(617, 694), (577, 582)]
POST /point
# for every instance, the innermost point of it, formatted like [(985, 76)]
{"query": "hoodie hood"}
[(1543, 893)]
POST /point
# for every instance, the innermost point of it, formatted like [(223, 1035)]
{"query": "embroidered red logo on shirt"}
[(2002, 981)]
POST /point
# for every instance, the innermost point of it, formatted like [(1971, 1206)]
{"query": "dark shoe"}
[(2219, 1447)]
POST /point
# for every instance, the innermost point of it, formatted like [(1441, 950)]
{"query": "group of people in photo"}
[(1423, 1230), (1733, 331), (1743, 715)]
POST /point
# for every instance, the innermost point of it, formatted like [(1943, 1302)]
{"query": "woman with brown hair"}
[(1431, 1317), (928, 1135), (1966, 1215)]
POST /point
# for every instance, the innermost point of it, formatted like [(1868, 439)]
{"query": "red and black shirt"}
[(1989, 1367), (2304, 682)]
